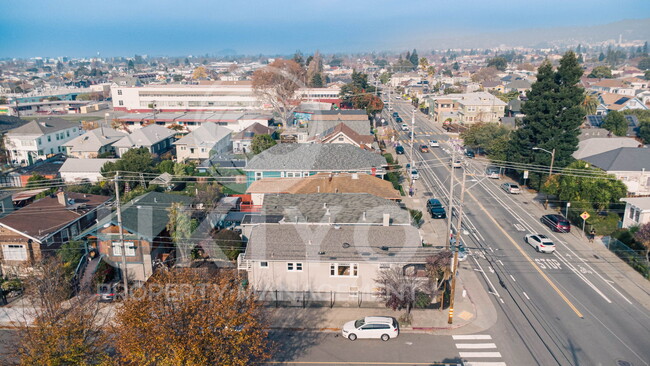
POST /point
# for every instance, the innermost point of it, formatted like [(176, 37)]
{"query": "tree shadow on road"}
[(294, 331)]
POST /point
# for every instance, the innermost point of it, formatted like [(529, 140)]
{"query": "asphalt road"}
[(563, 308)]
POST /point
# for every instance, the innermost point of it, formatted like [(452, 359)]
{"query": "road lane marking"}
[(544, 276), (466, 337), (492, 288), (524, 292), (479, 354), (476, 345), (513, 278), (488, 363)]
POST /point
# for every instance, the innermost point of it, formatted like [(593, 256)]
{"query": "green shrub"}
[(422, 300)]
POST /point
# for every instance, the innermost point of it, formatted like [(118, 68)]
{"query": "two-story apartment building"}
[(467, 108), (27, 234), (38, 139), (203, 142)]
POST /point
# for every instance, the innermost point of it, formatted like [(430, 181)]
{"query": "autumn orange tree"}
[(185, 317), (56, 327), (277, 83)]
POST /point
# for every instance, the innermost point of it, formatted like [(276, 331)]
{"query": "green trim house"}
[(303, 160)]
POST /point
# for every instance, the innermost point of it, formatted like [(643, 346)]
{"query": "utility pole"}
[(451, 196), (121, 229), (455, 263), (410, 173)]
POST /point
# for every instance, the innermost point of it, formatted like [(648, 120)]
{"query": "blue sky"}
[(173, 27)]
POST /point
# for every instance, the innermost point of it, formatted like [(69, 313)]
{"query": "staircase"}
[(85, 283)]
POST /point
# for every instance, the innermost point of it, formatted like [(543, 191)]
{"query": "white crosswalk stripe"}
[(475, 351)]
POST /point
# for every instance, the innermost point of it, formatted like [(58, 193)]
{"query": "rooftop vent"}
[(321, 253), (346, 245), (384, 248)]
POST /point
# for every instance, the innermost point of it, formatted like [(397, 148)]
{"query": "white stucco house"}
[(637, 211), (83, 170), (38, 139)]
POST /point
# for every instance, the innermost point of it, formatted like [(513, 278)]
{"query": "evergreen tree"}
[(645, 48), (317, 81), (415, 60), (601, 57), (553, 116)]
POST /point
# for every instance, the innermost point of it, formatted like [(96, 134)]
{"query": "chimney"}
[(61, 197), (386, 219)]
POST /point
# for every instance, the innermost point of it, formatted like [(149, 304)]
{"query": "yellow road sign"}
[(585, 215)]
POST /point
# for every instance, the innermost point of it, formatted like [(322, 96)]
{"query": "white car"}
[(379, 327), (405, 127), (415, 175), (434, 143), (456, 163), (511, 188), (540, 242)]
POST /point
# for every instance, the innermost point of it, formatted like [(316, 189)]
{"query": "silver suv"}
[(379, 327)]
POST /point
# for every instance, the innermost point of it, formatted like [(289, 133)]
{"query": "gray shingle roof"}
[(83, 165), (147, 215), (362, 127), (595, 146), (207, 135), (624, 159), (43, 126), (93, 140), (315, 157), (145, 136), (344, 208), (328, 243)]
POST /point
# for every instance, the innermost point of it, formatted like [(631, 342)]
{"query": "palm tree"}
[(590, 103)]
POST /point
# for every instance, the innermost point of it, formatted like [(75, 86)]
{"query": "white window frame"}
[(14, 252), (354, 269), (117, 249), (264, 264), (129, 248), (259, 175), (294, 266)]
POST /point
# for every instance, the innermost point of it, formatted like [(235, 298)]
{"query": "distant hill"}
[(631, 29)]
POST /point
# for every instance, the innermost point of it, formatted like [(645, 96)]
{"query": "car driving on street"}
[(434, 143), (540, 242), (511, 188)]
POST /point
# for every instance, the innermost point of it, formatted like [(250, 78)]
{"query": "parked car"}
[(373, 327), (456, 163), (414, 174), (399, 120), (405, 127), (395, 114), (436, 209), (469, 153), (511, 188), (399, 150), (424, 148), (540, 242), (105, 292), (557, 223), (434, 143)]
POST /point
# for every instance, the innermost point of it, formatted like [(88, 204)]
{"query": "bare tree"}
[(277, 84), (399, 289), (55, 328)]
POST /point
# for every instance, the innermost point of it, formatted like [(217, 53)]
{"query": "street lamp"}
[(550, 170)]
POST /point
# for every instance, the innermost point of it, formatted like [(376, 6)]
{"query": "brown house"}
[(26, 235)]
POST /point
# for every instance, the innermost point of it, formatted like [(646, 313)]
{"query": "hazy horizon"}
[(121, 28)]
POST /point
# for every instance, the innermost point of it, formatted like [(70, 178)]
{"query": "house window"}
[(631, 212), (294, 267), (341, 139), (344, 269), (38, 140), (130, 248), (258, 175), (117, 249), (119, 91), (67, 133), (120, 102), (65, 235), (636, 215), (14, 252), (49, 138), (264, 264)]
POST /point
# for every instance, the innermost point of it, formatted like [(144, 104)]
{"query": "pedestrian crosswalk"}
[(478, 350)]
